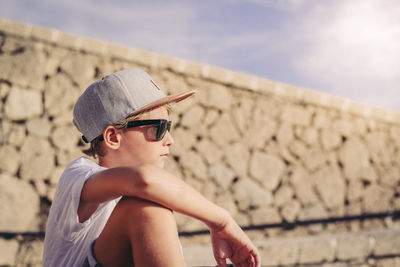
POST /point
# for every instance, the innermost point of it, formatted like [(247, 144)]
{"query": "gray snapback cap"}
[(116, 97)]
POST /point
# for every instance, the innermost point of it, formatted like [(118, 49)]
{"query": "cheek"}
[(141, 150)]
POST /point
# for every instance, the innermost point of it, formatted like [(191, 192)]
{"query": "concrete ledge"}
[(305, 251), (237, 80)]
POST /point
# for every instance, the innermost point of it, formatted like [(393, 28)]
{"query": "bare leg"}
[(139, 233)]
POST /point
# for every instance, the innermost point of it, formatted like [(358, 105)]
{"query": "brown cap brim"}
[(163, 101)]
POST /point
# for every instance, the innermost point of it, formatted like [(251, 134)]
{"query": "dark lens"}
[(152, 132), (162, 128)]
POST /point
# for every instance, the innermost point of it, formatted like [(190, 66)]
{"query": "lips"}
[(164, 155)]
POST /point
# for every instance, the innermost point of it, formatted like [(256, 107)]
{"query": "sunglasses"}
[(155, 133)]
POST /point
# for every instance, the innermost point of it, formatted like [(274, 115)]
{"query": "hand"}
[(229, 241)]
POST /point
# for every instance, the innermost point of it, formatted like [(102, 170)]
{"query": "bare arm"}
[(157, 185), (153, 184)]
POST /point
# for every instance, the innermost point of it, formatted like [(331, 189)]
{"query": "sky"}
[(348, 48)]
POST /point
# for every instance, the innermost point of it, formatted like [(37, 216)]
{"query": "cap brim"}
[(163, 101)]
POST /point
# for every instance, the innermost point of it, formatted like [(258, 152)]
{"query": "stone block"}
[(297, 149), (94, 46), (10, 159), (183, 141), (379, 148), (267, 169), (243, 80), (296, 115), (314, 97), (330, 185), (45, 34), (309, 136), (8, 252), (209, 151), (142, 57), (65, 137), (216, 74), (81, 68), (283, 195), (285, 134), (264, 215), (316, 251), (23, 104), (176, 84), (242, 113), (391, 262), (198, 255), (117, 51), (389, 175), (279, 253), (70, 41), (215, 96), (39, 127), (60, 95), (221, 174), (193, 162), (321, 120), (224, 131), (21, 68), (313, 159), (353, 248), (354, 156), (262, 129), (226, 201), (193, 117), (64, 157), (266, 86), (316, 211), (37, 159), (30, 254), (387, 243), (344, 127), (291, 210), (17, 28), (248, 193), (377, 198), (237, 156), (193, 68), (19, 205), (330, 139), (355, 190), (303, 186)]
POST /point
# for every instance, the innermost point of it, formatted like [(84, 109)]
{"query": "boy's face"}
[(136, 148)]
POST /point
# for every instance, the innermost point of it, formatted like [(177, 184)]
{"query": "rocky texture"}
[(19, 205), (361, 249), (266, 151)]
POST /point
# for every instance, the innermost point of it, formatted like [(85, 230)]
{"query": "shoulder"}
[(81, 167), (83, 164)]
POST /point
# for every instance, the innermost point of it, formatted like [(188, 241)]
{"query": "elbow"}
[(145, 177)]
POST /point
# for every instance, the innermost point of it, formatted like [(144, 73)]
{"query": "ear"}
[(112, 137)]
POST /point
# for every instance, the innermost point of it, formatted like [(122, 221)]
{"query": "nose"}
[(168, 140)]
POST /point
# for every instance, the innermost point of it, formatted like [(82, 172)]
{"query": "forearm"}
[(166, 189), (156, 185)]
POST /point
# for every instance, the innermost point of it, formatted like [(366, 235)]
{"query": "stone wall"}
[(266, 151)]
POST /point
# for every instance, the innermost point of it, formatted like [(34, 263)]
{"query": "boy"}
[(119, 212)]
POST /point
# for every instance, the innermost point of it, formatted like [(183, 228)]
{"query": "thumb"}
[(223, 250), (221, 262)]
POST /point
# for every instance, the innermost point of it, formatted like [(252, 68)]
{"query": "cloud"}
[(351, 49), (346, 48)]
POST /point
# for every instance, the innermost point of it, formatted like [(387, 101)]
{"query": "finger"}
[(257, 260), (251, 261), (221, 262)]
